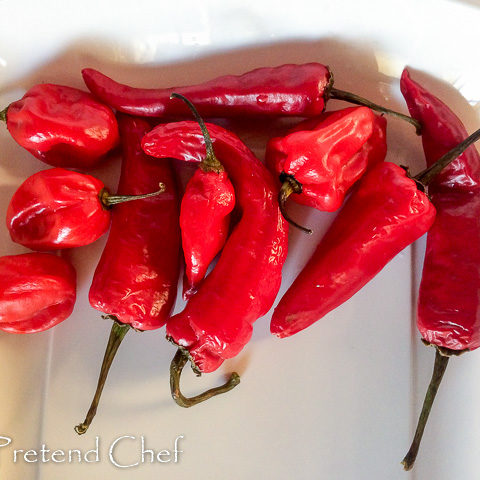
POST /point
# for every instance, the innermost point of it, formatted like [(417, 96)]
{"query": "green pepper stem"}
[(210, 163), (3, 115), (358, 100), (289, 185), (108, 200), (117, 334), (441, 362), (427, 175), (176, 367)]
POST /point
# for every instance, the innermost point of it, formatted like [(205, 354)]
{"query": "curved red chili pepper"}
[(295, 90), (442, 130), (57, 208), (321, 158), (217, 321), (135, 282), (62, 126), (448, 301), (208, 200), (37, 291)]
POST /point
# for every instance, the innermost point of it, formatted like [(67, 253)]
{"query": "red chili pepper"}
[(448, 300), (207, 203), (320, 159), (37, 291), (442, 130), (62, 126), (384, 215), (57, 208), (296, 90), (217, 321), (135, 282)]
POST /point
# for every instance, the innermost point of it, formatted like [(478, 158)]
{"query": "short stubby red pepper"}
[(385, 214), (442, 130), (62, 126), (286, 90), (217, 321), (320, 159), (58, 208), (135, 282), (37, 291), (449, 299), (208, 200)]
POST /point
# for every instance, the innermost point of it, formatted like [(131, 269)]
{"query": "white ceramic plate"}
[(337, 401)]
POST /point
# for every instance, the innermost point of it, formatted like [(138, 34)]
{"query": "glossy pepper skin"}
[(62, 126), (442, 130), (56, 209), (328, 154), (217, 321), (135, 282), (208, 200), (385, 214), (448, 307), (284, 90), (137, 275), (37, 291), (448, 303), (448, 314), (207, 203)]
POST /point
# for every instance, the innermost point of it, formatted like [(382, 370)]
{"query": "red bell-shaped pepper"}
[(37, 291), (320, 159), (62, 126), (57, 208)]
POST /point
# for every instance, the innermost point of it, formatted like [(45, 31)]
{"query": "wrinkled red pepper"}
[(135, 282), (57, 208), (217, 321), (208, 200), (286, 90), (386, 213), (62, 126), (320, 159), (449, 299), (37, 291)]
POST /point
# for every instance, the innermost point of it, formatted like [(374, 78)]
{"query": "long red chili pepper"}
[(384, 215), (57, 208), (208, 200), (37, 291), (217, 321), (298, 90), (62, 126), (320, 159), (448, 299), (135, 282)]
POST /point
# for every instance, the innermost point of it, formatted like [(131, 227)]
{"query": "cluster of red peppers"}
[(234, 208)]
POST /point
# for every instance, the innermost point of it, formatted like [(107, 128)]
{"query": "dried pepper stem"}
[(3, 115), (108, 200), (176, 367), (290, 185), (117, 334), (358, 100), (210, 163), (441, 362)]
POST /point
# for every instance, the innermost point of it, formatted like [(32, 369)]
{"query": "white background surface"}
[(337, 401)]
